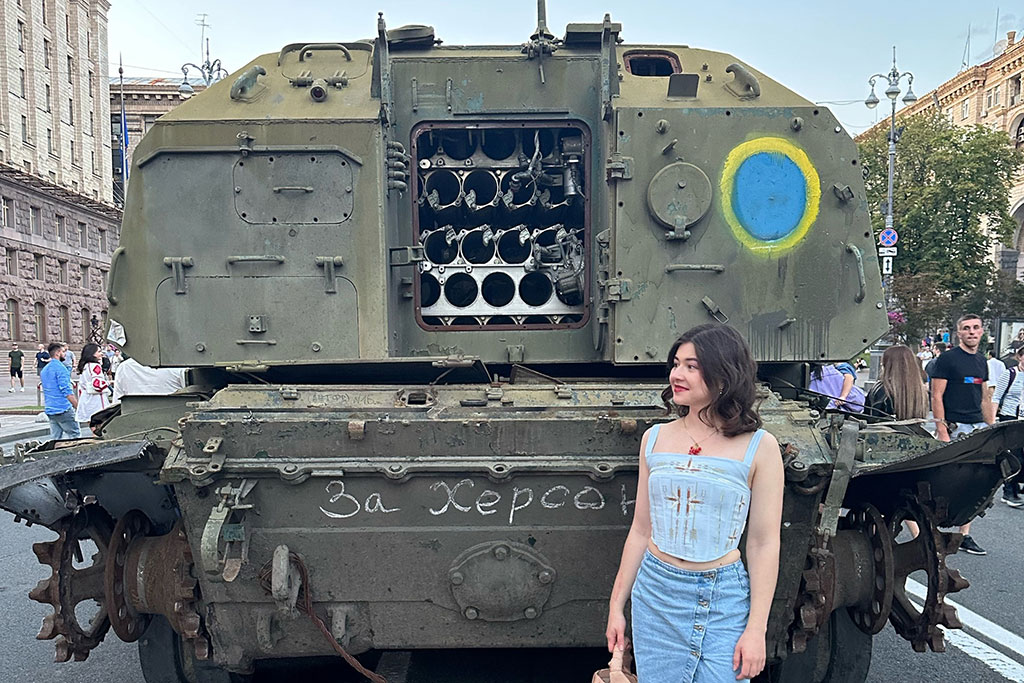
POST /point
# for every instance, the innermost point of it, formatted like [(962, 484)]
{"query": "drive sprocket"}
[(69, 585)]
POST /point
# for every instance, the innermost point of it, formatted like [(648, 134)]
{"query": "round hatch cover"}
[(679, 195)]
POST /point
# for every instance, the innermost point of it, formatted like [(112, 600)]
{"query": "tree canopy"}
[(950, 203)]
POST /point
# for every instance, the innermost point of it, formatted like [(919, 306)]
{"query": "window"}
[(35, 220), (86, 324), (92, 129), (71, 112), (74, 158), (46, 53), (12, 262), (13, 321), (64, 316), (21, 83), (92, 84), (965, 109), (103, 280), (67, 26), (21, 35), (995, 96), (62, 228), (148, 120), (44, 12), (63, 272), (988, 99), (1019, 136), (52, 176), (48, 96), (39, 313), (24, 130), (83, 235), (6, 206), (40, 267), (85, 276), (71, 69), (103, 240), (49, 140), (92, 155)]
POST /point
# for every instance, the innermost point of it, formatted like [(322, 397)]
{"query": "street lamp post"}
[(209, 71), (892, 91)]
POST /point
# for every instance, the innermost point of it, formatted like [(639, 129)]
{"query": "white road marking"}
[(971, 646)]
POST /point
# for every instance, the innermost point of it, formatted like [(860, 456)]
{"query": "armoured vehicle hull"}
[(426, 294)]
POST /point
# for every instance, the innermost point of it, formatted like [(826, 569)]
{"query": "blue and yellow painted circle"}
[(771, 194)]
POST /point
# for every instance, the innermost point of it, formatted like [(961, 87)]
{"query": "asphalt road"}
[(989, 650)]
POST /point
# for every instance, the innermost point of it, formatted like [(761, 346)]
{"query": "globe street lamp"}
[(893, 79), (209, 71)]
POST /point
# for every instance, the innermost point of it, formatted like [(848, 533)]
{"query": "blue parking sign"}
[(888, 237)]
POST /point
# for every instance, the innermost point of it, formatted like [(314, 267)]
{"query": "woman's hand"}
[(616, 631), (750, 653)]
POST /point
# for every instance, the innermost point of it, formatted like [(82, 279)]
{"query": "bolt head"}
[(530, 612), (456, 578), (501, 552), (546, 576), (471, 613)]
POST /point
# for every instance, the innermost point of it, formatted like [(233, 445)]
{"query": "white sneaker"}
[(11, 390), (23, 390)]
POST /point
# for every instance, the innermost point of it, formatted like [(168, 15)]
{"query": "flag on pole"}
[(124, 130)]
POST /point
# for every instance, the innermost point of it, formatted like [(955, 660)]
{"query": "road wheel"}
[(164, 660), (839, 653)]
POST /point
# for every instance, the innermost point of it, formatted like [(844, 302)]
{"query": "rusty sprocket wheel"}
[(926, 552), (70, 586)]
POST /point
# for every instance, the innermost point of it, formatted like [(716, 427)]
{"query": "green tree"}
[(950, 201)]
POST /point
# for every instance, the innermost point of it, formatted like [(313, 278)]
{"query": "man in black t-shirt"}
[(961, 396)]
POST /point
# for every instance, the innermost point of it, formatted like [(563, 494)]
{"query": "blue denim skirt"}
[(686, 623)]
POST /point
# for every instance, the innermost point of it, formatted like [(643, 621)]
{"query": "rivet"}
[(681, 184), (290, 468), (200, 347), (546, 576), (530, 612), (237, 189), (316, 347), (798, 465), (395, 468), (471, 613), (456, 578), (501, 552), (878, 305)]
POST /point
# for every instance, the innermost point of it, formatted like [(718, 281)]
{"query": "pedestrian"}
[(696, 612), (59, 396), (837, 381), (69, 358), (938, 349), (899, 391), (1007, 400), (995, 368), (42, 358), (17, 356), (93, 387), (115, 361), (961, 397)]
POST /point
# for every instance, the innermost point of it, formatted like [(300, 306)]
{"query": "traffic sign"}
[(888, 237), (887, 265), (888, 251)]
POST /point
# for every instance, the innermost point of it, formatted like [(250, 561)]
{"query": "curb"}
[(25, 434)]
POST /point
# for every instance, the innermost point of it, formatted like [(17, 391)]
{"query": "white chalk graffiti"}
[(458, 498)]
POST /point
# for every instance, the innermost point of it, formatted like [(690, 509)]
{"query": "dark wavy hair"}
[(729, 370), (87, 356)]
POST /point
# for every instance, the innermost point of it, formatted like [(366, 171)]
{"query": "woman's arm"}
[(632, 555), (848, 381), (763, 530)]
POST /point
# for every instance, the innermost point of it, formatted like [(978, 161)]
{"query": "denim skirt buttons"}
[(686, 623)]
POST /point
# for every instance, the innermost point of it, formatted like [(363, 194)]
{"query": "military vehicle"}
[(426, 294)]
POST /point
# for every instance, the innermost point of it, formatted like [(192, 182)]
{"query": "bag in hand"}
[(617, 671)]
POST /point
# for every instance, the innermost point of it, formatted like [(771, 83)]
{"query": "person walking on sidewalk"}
[(961, 396), (1006, 399), (17, 356), (59, 396)]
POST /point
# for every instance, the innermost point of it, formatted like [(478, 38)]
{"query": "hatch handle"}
[(745, 84), (292, 188), (114, 258), (244, 84), (303, 48), (256, 258), (178, 264), (861, 280), (713, 267)]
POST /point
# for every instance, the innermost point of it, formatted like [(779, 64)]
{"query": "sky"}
[(826, 51)]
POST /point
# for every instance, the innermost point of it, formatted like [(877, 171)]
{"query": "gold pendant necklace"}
[(695, 449)]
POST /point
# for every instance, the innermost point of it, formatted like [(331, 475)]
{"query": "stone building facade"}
[(54, 105), (56, 248), (988, 94), (145, 100), (58, 227)]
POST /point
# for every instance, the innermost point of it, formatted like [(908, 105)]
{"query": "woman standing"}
[(92, 384), (697, 613), (899, 391)]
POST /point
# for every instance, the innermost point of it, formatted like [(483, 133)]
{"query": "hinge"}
[(618, 289), (178, 264), (619, 167), (329, 264), (405, 256)]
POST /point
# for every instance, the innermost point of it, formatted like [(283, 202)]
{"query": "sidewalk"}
[(22, 427)]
